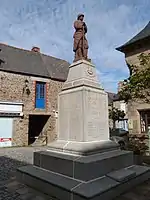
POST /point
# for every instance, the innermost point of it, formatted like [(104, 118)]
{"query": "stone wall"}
[(132, 56), (20, 131), (133, 118), (134, 107), (13, 88)]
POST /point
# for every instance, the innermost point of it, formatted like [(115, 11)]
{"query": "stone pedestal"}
[(83, 163), (83, 113)]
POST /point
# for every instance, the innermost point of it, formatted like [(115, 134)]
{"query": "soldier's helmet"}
[(79, 15)]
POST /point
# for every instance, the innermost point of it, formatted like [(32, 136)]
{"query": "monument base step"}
[(75, 177), (84, 168), (63, 187), (83, 148)]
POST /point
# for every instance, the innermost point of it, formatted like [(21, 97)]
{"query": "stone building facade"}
[(138, 112), (29, 85)]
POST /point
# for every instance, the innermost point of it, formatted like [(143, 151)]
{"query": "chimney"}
[(35, 49)]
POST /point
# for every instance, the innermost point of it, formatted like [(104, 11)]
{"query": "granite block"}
[(139, 169), (83, 167), (63, 187), (49, 177), (122, 175), (49, 183), (112, 191), (91, 167), (56, 162), (95, 187), (46, 187), (37, 158)]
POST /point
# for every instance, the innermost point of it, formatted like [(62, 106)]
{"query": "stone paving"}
[(10, 189)]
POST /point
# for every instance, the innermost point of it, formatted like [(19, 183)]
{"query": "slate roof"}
[(143, 34), (32, 63), (112, 97)]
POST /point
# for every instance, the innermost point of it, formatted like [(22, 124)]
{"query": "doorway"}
[(36, 125)]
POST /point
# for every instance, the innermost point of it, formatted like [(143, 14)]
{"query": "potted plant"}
[(139, 148)]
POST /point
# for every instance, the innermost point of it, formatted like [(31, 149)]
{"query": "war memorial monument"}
[(83, 163)]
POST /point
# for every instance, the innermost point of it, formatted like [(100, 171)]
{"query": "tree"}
[(115, 115), (137, 86)]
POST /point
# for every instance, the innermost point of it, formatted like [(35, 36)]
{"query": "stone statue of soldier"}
[(80, 46)]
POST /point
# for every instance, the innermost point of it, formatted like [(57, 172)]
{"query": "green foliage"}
[(115, 114), (138, 84), (137, 146)]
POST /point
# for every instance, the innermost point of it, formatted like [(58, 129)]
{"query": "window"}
[(40, 95), (145, 121)]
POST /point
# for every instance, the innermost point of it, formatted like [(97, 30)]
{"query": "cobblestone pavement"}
[(10, 189), (10, 160)]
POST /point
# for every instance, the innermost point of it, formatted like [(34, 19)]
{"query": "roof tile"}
[(144, 33), (33, 63)]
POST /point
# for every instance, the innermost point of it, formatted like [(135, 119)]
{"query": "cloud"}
[(48, 24)]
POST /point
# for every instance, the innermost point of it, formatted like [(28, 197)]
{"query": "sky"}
[(48, 24)]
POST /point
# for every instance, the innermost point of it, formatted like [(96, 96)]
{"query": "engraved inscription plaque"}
[(97, 116), (71, 117), (76, 117)]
